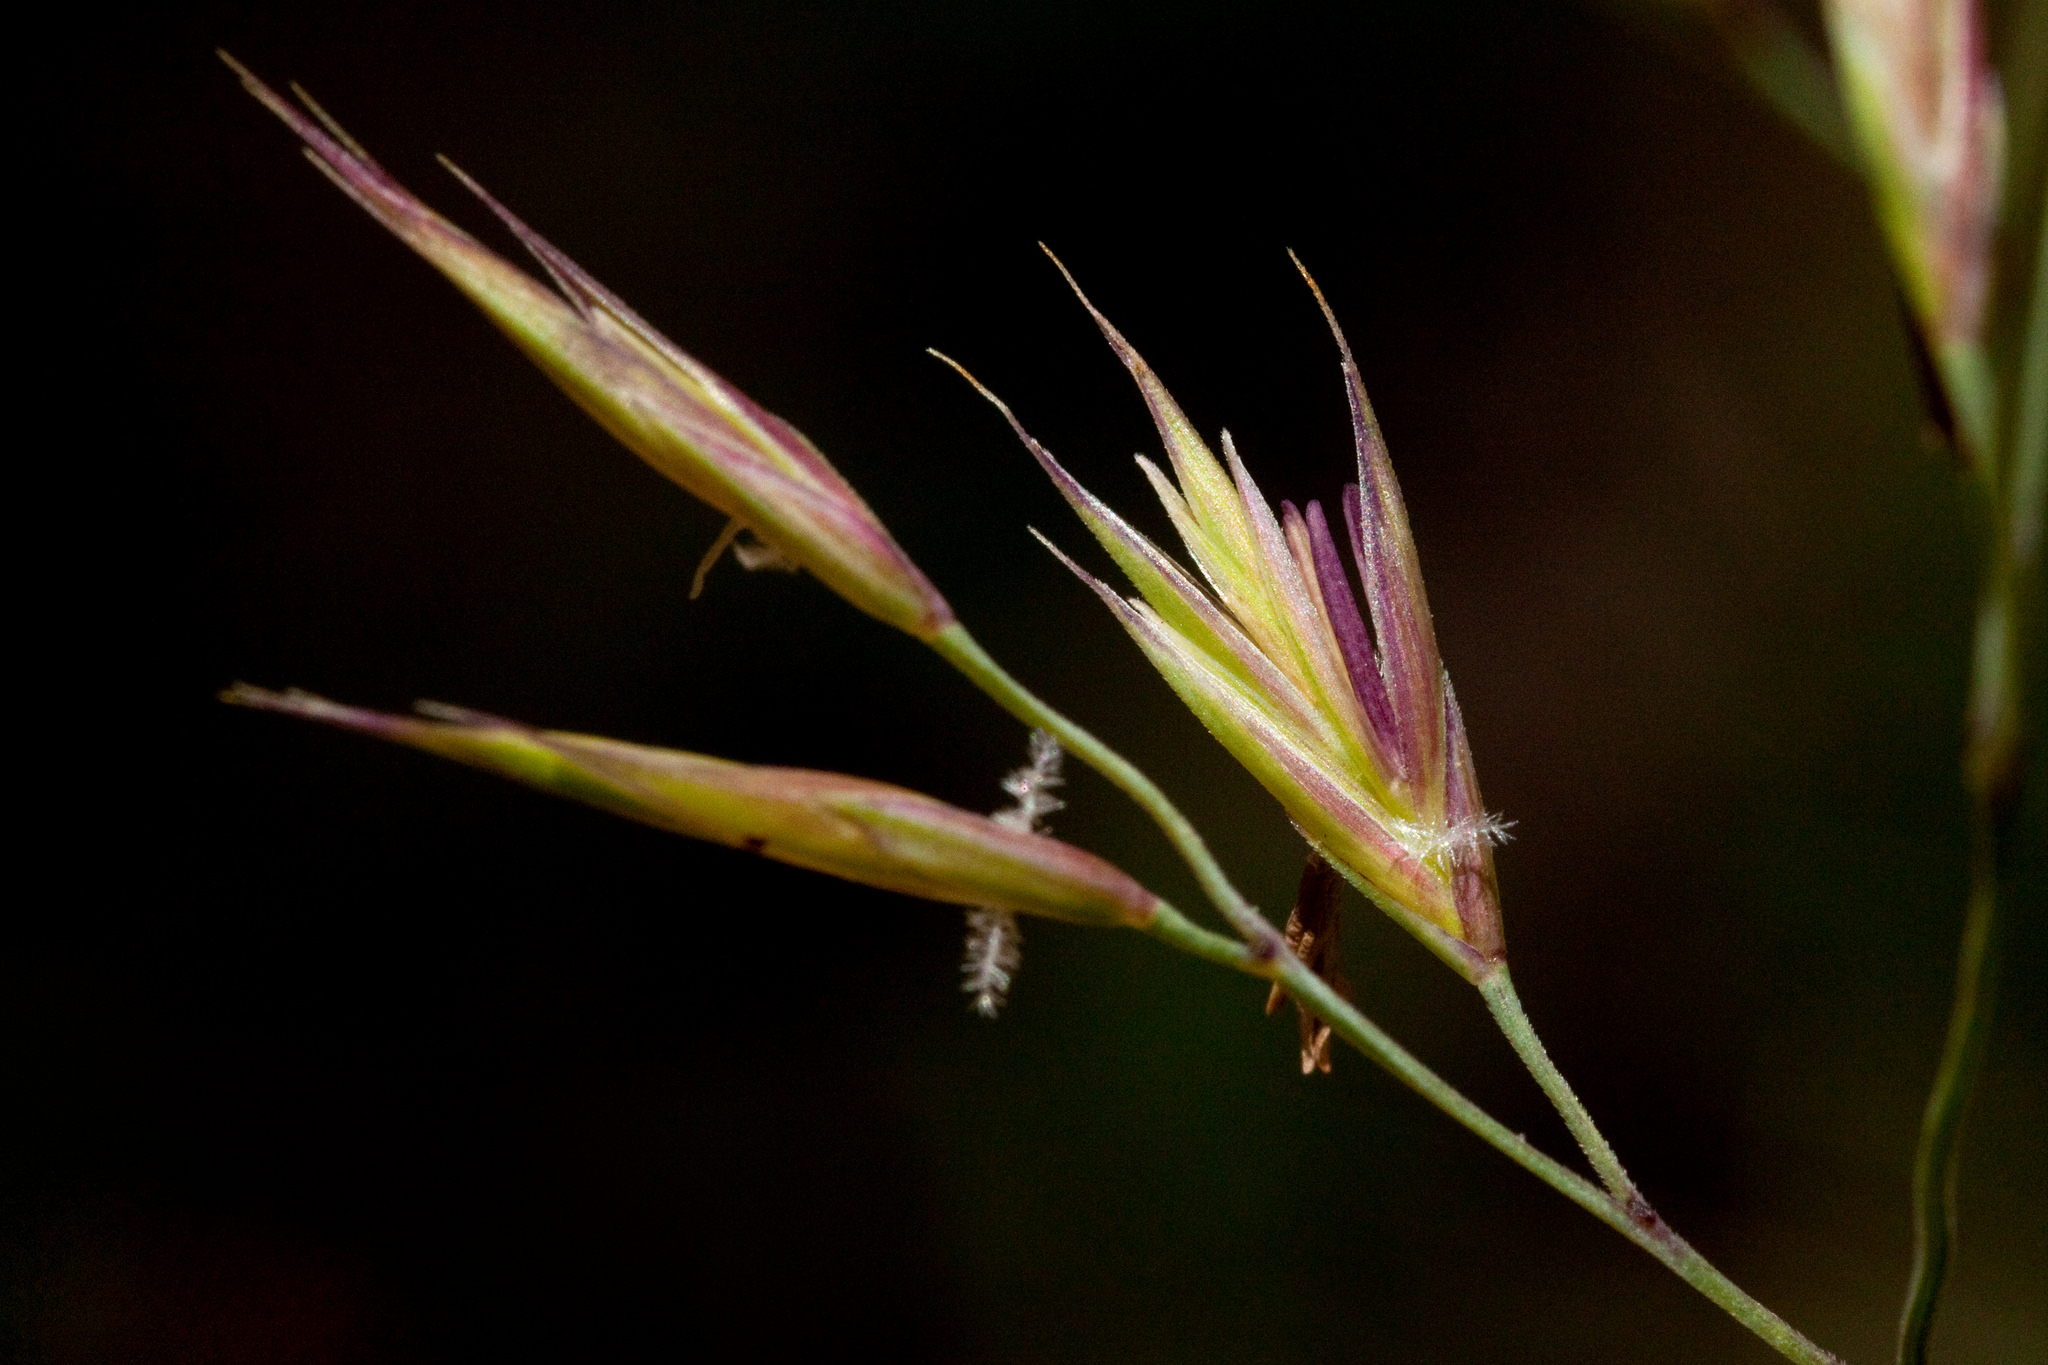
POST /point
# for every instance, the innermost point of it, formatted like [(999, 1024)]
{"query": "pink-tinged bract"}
[(1346, 717), (850, 827), (1929, 119), (676, 414)]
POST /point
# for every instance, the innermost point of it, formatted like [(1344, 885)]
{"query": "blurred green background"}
[(323, 1052)]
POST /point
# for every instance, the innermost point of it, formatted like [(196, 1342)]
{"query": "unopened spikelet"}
[(849, 827), (690, 424), (994, 943), (1928, 114)]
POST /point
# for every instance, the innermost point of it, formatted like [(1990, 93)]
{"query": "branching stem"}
[(958, 648), (1264, 954), (1935, 1165), (1638, 1224), (1499, 993)]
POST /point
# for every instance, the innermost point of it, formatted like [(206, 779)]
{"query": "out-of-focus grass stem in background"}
[(1928, 112), (1958, 186)]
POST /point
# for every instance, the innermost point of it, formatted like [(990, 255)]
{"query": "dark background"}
[(317, 1051)]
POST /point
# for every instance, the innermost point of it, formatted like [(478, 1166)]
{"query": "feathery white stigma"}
[(994, 944)]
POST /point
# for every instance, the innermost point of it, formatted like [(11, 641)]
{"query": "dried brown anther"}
[(1312, 935)]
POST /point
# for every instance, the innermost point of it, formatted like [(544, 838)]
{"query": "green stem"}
[(1966, 377), (958, 648), (1935, 1164), (1993, 768), (1635, 1222), (1171, 926), (1264, 955), (1499, 992)]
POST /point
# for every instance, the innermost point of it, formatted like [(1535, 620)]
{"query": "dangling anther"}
[(1312, 935)]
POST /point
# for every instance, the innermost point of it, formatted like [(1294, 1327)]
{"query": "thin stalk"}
[(1993, 767), (1637, 1223), (1172, 927), (1264, 955), (1935, 1165), (958, 648), (1499, 992)]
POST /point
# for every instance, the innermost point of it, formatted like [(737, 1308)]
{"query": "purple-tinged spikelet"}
[(661, 403), (1345, 715), (848, 827), (1928, 112), (1928, 115)]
